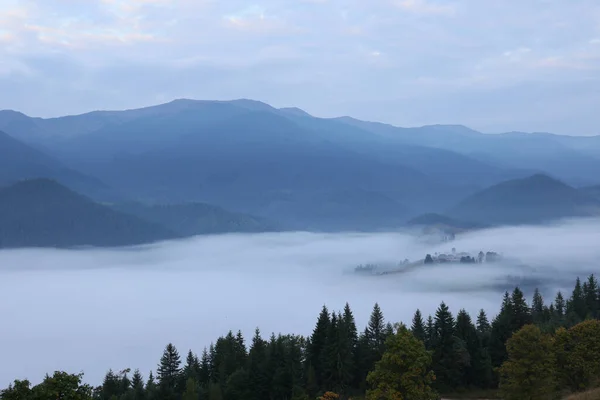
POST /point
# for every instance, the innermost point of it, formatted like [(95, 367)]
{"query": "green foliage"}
[(577, 353), (404, 371), (169, 373), (529, 372), (418, 326)]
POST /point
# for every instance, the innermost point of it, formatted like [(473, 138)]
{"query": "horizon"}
[(277, 107), (404, 62)]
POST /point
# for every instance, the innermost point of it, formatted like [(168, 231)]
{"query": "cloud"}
[(428, 49), (424, 7), (275, 281)]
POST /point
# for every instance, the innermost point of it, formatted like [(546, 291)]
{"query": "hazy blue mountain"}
[(434, 219), (570, 158), (289, 166), (536, 199), (192, 219), (592, 191), (19, 161), (43, 213)]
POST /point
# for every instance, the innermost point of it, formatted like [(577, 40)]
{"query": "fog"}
[(90, 310)]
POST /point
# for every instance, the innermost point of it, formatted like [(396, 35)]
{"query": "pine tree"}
[(466, 331), (258, 376), (347, 349), (418, 326), (331, 361), (169, 373), (483, 325), (576, 306), (191, 368), (537, 308), (521, 311), (448, 350), (590, 294), (318, 341), (151, 389), (502, 329), (137, 386), (375, 331), (430, 334), (204, 376)]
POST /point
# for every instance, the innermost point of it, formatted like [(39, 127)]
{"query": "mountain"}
[(288, 166), (439, 220), (19, 161), (196, 218), (43, 213), (536, 199), (592, 191), (570, 158)]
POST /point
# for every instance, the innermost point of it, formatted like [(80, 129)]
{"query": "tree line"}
[(440, 353)]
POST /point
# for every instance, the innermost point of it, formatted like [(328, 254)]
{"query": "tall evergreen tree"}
[(376, 331), (258, 376), (576, 306), (151, 388), (169, 373), (521, 311), (447, 351), (590, 294), (501, 331), (537, 308), (318, 341), (137, 386), (430, 334), (483, 324), (418, 326), (191, 368), (348, 338)]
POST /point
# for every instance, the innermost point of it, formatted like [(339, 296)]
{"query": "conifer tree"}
[(466, 331), (151, 388), (375, 332), (502, 329), (191, 368), (590, 294), (169, 373), (537, 308), (204, 375), (430, 334), (447, 352), (257, 368), (521, 311), (576, 306), (418, 326), (318, 341), (348, 339), (137, 386), (483, 325)]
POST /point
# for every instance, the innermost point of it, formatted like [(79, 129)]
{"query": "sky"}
[(495, 66), (91, 310)]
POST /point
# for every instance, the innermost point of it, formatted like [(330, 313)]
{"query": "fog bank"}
[(90, 310)]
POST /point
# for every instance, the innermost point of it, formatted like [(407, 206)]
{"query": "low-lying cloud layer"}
[(94, 309)]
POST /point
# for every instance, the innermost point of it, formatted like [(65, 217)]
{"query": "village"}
[(453, 257)]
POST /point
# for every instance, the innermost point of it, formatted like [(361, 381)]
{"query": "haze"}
[(510, 65), (96, 309)]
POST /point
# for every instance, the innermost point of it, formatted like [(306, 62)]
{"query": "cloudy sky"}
[(494, 65)]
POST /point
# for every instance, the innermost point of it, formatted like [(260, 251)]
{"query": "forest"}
[(538, 350)]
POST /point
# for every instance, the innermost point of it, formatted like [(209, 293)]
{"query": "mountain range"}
[(242, 165)]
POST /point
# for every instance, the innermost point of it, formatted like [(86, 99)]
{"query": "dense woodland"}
[(539, 351)]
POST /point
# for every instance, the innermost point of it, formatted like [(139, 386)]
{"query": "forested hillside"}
[(538, 351)]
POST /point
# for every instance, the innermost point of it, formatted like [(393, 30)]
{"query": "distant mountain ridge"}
[(193, 219), (43, 213), (531, 200), (285, 165)]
